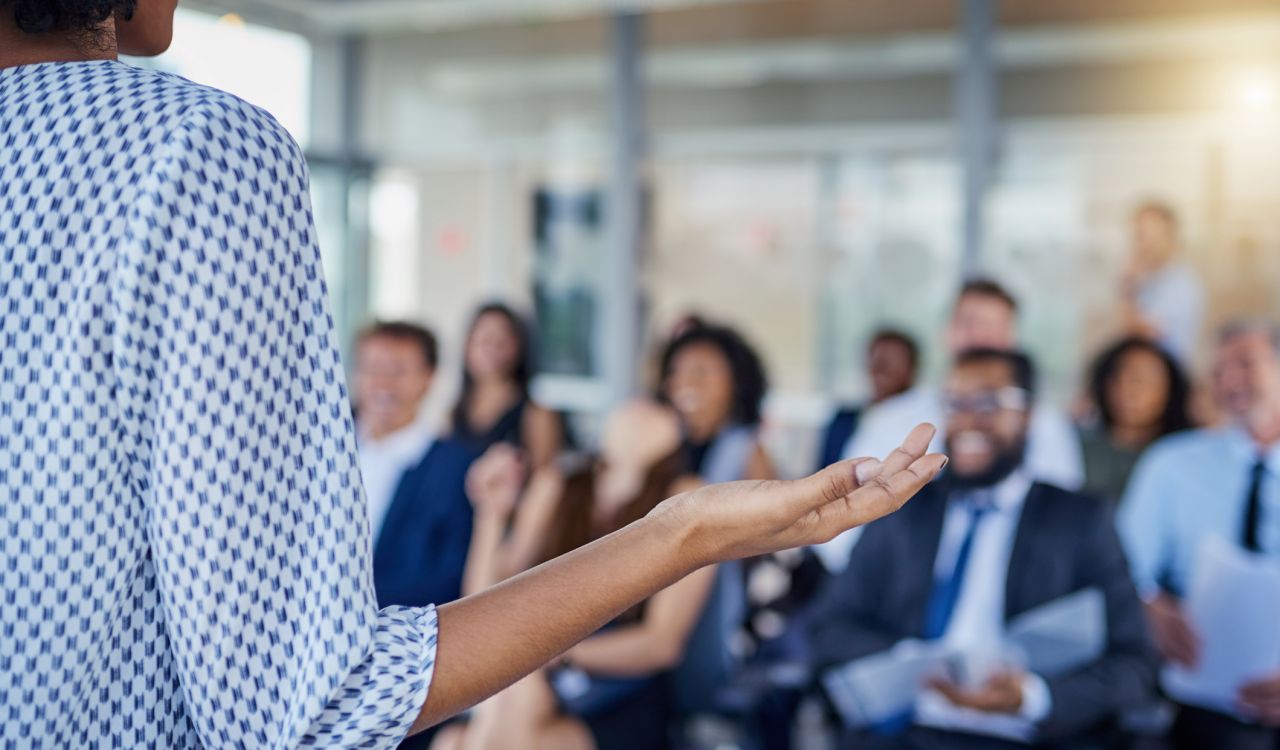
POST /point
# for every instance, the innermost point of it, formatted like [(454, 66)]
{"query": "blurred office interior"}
[(805, 170)]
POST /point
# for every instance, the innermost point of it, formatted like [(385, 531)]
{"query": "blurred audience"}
[(495, 406), (985, 315), (414, 480), (1162, 297), (978, 547), (1139, 395), (1206, 483), (609, 692), (893, 359)]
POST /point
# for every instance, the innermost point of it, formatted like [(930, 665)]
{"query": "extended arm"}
[(490, 640), (657, 642)]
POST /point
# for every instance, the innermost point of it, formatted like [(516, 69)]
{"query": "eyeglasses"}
[(988, 403)]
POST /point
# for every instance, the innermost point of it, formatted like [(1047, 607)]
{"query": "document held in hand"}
[(1053, 639), (1233, 603), (1063, 635)]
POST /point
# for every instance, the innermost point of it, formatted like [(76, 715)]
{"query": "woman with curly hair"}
[(1140, 394), (184, 545)]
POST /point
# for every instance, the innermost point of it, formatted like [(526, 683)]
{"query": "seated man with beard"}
[(980, 546)]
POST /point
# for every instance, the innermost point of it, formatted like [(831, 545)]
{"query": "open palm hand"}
[(744, 519)]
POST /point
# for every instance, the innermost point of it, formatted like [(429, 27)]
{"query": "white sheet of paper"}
[(1063, 635), (879, 687), (1234, 604), (1056, 637)]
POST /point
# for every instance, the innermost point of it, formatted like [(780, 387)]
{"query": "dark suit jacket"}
[(839, 430), (420, 553), (1064, 543)]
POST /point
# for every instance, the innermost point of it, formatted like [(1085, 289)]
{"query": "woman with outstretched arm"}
[(184, 542)]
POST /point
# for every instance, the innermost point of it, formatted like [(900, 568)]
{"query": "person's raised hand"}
[(745, 519), (1260, 700), (494, 482), (1173, 633)]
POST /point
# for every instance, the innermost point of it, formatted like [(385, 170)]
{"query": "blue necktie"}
[(946, 591)]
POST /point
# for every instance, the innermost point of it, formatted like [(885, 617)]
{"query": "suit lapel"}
[(401, 507), (1023, 552)]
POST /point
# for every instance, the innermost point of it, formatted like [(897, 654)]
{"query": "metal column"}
[(618, 332), (977, 121), (355, 179)]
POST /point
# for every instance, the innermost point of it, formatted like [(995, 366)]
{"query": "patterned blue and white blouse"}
[(184, 545)]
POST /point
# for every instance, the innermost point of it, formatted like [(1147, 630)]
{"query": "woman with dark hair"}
[(494, 406), (608, 692), (186, 546), (1140, 395), (716, 382)]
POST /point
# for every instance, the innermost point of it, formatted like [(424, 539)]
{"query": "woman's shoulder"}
[(181, 111)]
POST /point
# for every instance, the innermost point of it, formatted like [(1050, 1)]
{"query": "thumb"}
[(836, 481)]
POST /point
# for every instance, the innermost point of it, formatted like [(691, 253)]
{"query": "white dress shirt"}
[(976, 626), (1053, 456), (383, 462)]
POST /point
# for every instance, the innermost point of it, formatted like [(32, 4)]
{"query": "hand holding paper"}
[(1260, 700), (1174, 635), (1234, 602), (1002, 693)]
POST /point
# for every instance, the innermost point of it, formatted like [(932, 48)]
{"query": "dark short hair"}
[(899, 337), (749, 379), (987, 287), (1019, 364), (1176, 415), (1161, 209), (413, 333), (80, 16)]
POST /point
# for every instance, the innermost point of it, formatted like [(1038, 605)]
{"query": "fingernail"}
[(868, 470), (945, 460)]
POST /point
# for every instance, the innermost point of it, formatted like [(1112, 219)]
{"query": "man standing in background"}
[(1162, 298)]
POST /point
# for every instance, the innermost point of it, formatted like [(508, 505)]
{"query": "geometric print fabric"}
[(184, 546)]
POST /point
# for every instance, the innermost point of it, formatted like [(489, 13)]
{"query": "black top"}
[(508, 429), (695, 454)]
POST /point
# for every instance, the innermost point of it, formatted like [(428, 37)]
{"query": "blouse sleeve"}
[(232, 396)]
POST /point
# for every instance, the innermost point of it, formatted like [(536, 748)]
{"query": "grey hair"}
[(1244, 326)]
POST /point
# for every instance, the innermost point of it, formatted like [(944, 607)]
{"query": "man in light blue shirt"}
[(1222, 482)]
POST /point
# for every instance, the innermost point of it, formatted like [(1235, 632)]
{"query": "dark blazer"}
[(1065, 542), (839, 430), (420, 553)]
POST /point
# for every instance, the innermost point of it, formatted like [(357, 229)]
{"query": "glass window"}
[(269, 67)]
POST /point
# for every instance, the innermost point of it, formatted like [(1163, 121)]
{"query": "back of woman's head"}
[(73, 16), (750, 382), (1173, 415)]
